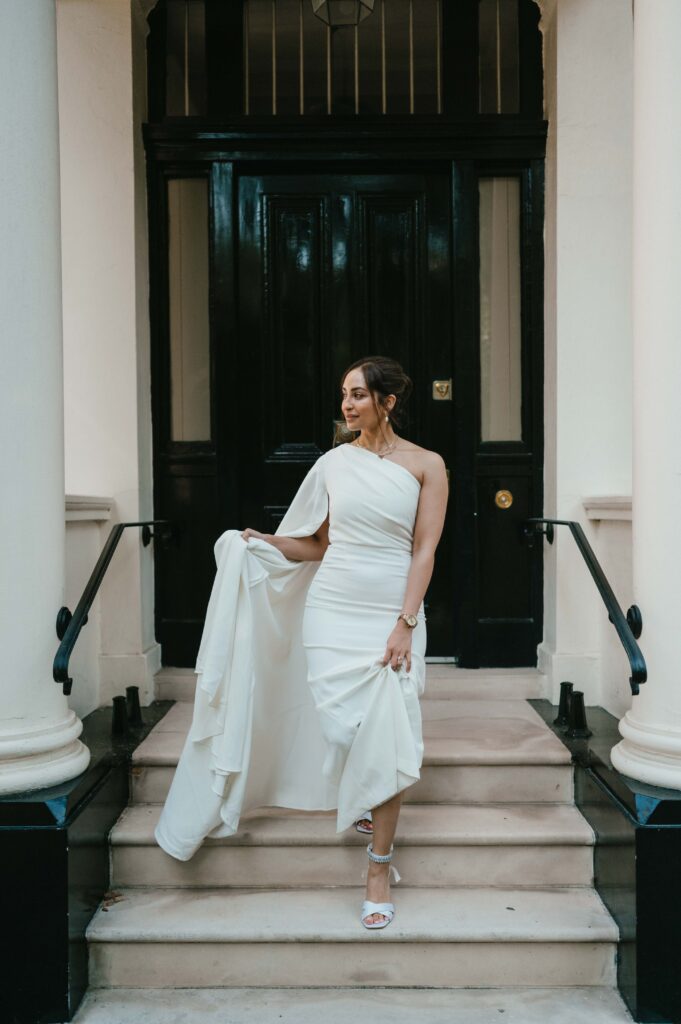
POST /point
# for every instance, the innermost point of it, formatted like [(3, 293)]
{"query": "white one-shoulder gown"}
[(293, 705)]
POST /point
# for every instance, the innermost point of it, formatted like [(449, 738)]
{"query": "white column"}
[(651, 746), (39, 743)]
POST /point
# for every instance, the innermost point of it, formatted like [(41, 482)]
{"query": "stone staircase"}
[(496, 865)]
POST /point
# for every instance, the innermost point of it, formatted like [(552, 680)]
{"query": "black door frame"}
[(494, 146)]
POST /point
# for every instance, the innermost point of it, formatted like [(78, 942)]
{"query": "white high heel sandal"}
[(386, 909), (362, 828)]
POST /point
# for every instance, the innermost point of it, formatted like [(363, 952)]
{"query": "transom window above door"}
[(390, 61), (293, 59)]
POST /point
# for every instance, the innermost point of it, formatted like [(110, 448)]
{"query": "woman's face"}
[(357, 403)]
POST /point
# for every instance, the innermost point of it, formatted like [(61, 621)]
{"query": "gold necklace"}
[(381, 454)]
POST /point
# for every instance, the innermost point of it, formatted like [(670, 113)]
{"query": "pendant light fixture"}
[(342, 12)]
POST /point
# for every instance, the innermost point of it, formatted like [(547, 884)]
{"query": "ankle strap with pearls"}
[(379, 858)]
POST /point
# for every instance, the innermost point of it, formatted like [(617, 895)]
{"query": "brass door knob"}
[(442, 390), (503, 499)]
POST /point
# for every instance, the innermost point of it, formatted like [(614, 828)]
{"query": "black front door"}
[(310, 270), (332, 267)]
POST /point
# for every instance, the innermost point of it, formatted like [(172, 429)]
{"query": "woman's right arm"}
[(297, 549)]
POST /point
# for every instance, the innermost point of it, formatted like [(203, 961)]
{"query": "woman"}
[(311, 661), (374, 575)]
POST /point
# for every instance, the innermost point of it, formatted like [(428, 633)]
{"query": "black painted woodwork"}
[(530, 63), (332, 267), (636, 866), (353, 186), (507, 579), (54, 858), (312, 266), (224, 59)]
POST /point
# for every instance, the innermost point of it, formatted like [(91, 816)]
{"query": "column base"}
[(42, 756), (648, 754)]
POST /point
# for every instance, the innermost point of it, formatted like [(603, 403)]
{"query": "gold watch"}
[(411, 620)]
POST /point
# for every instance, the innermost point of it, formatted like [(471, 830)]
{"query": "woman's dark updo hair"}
[(384, 376)]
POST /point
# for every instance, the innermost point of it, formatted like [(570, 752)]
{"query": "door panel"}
[(390, 268), (293, 250), (505, 617), (506, 597)]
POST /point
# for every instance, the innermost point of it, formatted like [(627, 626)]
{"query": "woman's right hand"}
[(295, 549), (253, 533)]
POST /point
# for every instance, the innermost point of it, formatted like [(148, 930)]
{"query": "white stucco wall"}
[(88, 521), (588, 101), (102, 103), (612, 540)]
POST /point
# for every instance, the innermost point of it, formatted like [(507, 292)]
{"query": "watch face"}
[(411, 620)]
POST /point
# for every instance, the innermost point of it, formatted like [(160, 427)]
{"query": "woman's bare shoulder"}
[(427, 459), (425, 464)]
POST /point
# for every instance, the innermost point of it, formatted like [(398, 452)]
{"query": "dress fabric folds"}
[(293, 705)]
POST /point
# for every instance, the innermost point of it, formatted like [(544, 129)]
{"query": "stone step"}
[(476, 751), (484, 683), (597, 1005), (456, 731), (439, 784), (437, 845), (442, 680), (468, 937)]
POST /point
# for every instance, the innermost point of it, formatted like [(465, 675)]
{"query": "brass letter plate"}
[(442, 390)]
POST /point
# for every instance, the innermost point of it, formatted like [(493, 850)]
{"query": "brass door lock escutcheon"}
[(503, 499)]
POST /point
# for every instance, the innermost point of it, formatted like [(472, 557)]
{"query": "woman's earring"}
[(387, 418)]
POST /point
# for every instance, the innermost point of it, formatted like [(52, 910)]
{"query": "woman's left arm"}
[(430, 520)]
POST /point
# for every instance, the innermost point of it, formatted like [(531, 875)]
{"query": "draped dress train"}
[(293, 705)]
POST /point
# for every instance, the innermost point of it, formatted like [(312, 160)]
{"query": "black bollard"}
[(577, 727), (119, 718), (132, 694), (563, 716)]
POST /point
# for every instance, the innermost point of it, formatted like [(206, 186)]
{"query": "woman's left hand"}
[(398, 648)]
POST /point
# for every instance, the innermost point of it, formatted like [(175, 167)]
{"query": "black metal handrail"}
[(628, 627), (69, 625)]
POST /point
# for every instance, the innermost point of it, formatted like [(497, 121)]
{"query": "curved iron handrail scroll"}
[(69, 625), (628, 626)]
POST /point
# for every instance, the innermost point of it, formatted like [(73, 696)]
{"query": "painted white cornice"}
[(611, 506), (87, 506)]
